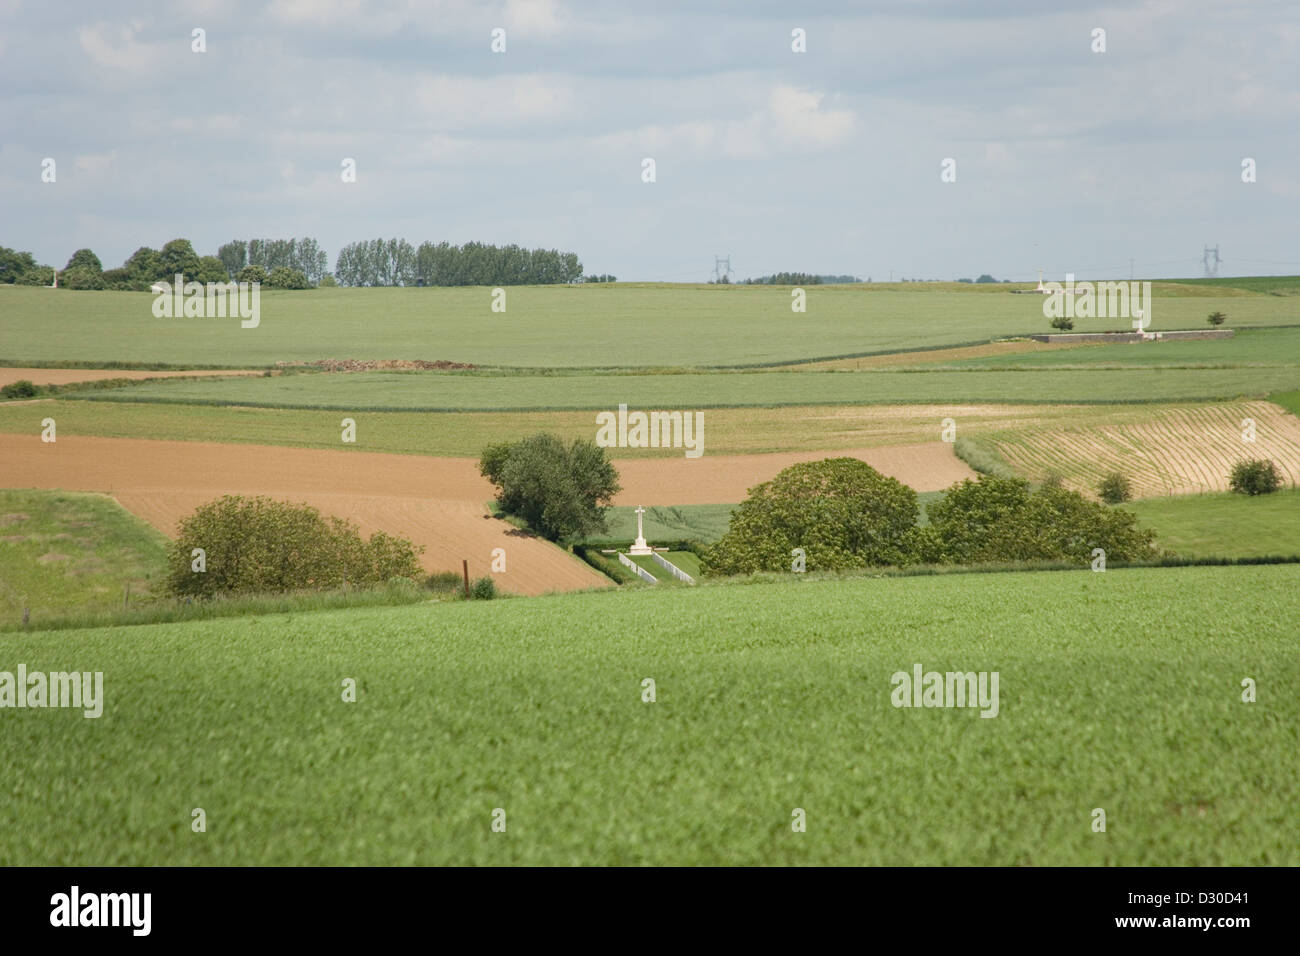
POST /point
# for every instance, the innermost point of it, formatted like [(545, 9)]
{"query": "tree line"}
[(302, 263), (395, 262)]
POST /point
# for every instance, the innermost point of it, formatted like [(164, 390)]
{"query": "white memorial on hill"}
[(639, 546)]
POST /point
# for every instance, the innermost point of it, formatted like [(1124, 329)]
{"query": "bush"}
[(1114, 488), (327, 282), (39, 275), (561, 492), (1063, 322), (1257, 476), (282, 277), (252, 274), (484, 589), (1216, 318), (23, 388), (258, 545), (81, 278), (1000, 519), (840, 511)]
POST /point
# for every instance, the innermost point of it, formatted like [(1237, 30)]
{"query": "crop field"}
[(1250, 348), (439, 391), (614, 326), (1171, 451), (1119, 691)]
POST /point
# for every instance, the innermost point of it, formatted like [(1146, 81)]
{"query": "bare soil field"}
[(67, 376), (436, 502)]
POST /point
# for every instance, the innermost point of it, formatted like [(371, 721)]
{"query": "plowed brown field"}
[(436, 502), (1169, 452)]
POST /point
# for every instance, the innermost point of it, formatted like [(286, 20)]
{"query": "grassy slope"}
[(1118, 690), (1224, 525), (594, 326), (432, 391), (64, 552)]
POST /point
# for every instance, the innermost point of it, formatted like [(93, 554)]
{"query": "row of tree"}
[(393, 262), (304, 255)]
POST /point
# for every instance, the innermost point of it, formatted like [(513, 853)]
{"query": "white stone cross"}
[(640, 546)]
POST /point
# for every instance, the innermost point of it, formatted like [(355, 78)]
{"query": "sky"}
[(829, 160)]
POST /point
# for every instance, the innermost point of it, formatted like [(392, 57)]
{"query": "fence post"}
[(464, 564)]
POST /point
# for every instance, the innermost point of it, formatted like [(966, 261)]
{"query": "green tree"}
[(562, 492), (840, 511), (1115, 488), (1001, 520), (145, 266), (178, 258), (1216, 318), (1257, 476), (14, 264), (252, 274), (234, 256), (84, 259)]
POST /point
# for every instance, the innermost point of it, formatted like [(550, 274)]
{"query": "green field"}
[(1262, 348), (1224, 525), (1118, 690), (63, 552), (704, 523), (437, 391), (600, 326)]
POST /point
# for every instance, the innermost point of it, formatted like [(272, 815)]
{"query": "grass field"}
[(602, 326), (1118, 690), (437, 391), (704, 523), (63, 552), (1224, 525), (1260, 348)]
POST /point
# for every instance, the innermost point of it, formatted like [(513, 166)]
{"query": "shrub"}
[(327, 282), (1216, 318), (1063, 322), (840, 511), (1258, 476), (1115, 488), (1000, 519), (38, 275), (252, 274), (283, 277), (484, 589), (562, 492), (81, 278), (23, 388), (258, 545)]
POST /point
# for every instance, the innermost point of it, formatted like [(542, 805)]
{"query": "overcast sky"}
[(826, 161)]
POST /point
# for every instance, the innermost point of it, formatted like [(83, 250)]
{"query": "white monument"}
[(639, 546)]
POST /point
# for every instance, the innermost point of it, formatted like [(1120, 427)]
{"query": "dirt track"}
[(66, 376), (437, 502)]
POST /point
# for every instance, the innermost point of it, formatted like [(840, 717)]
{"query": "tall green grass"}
[(1119, 690)]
